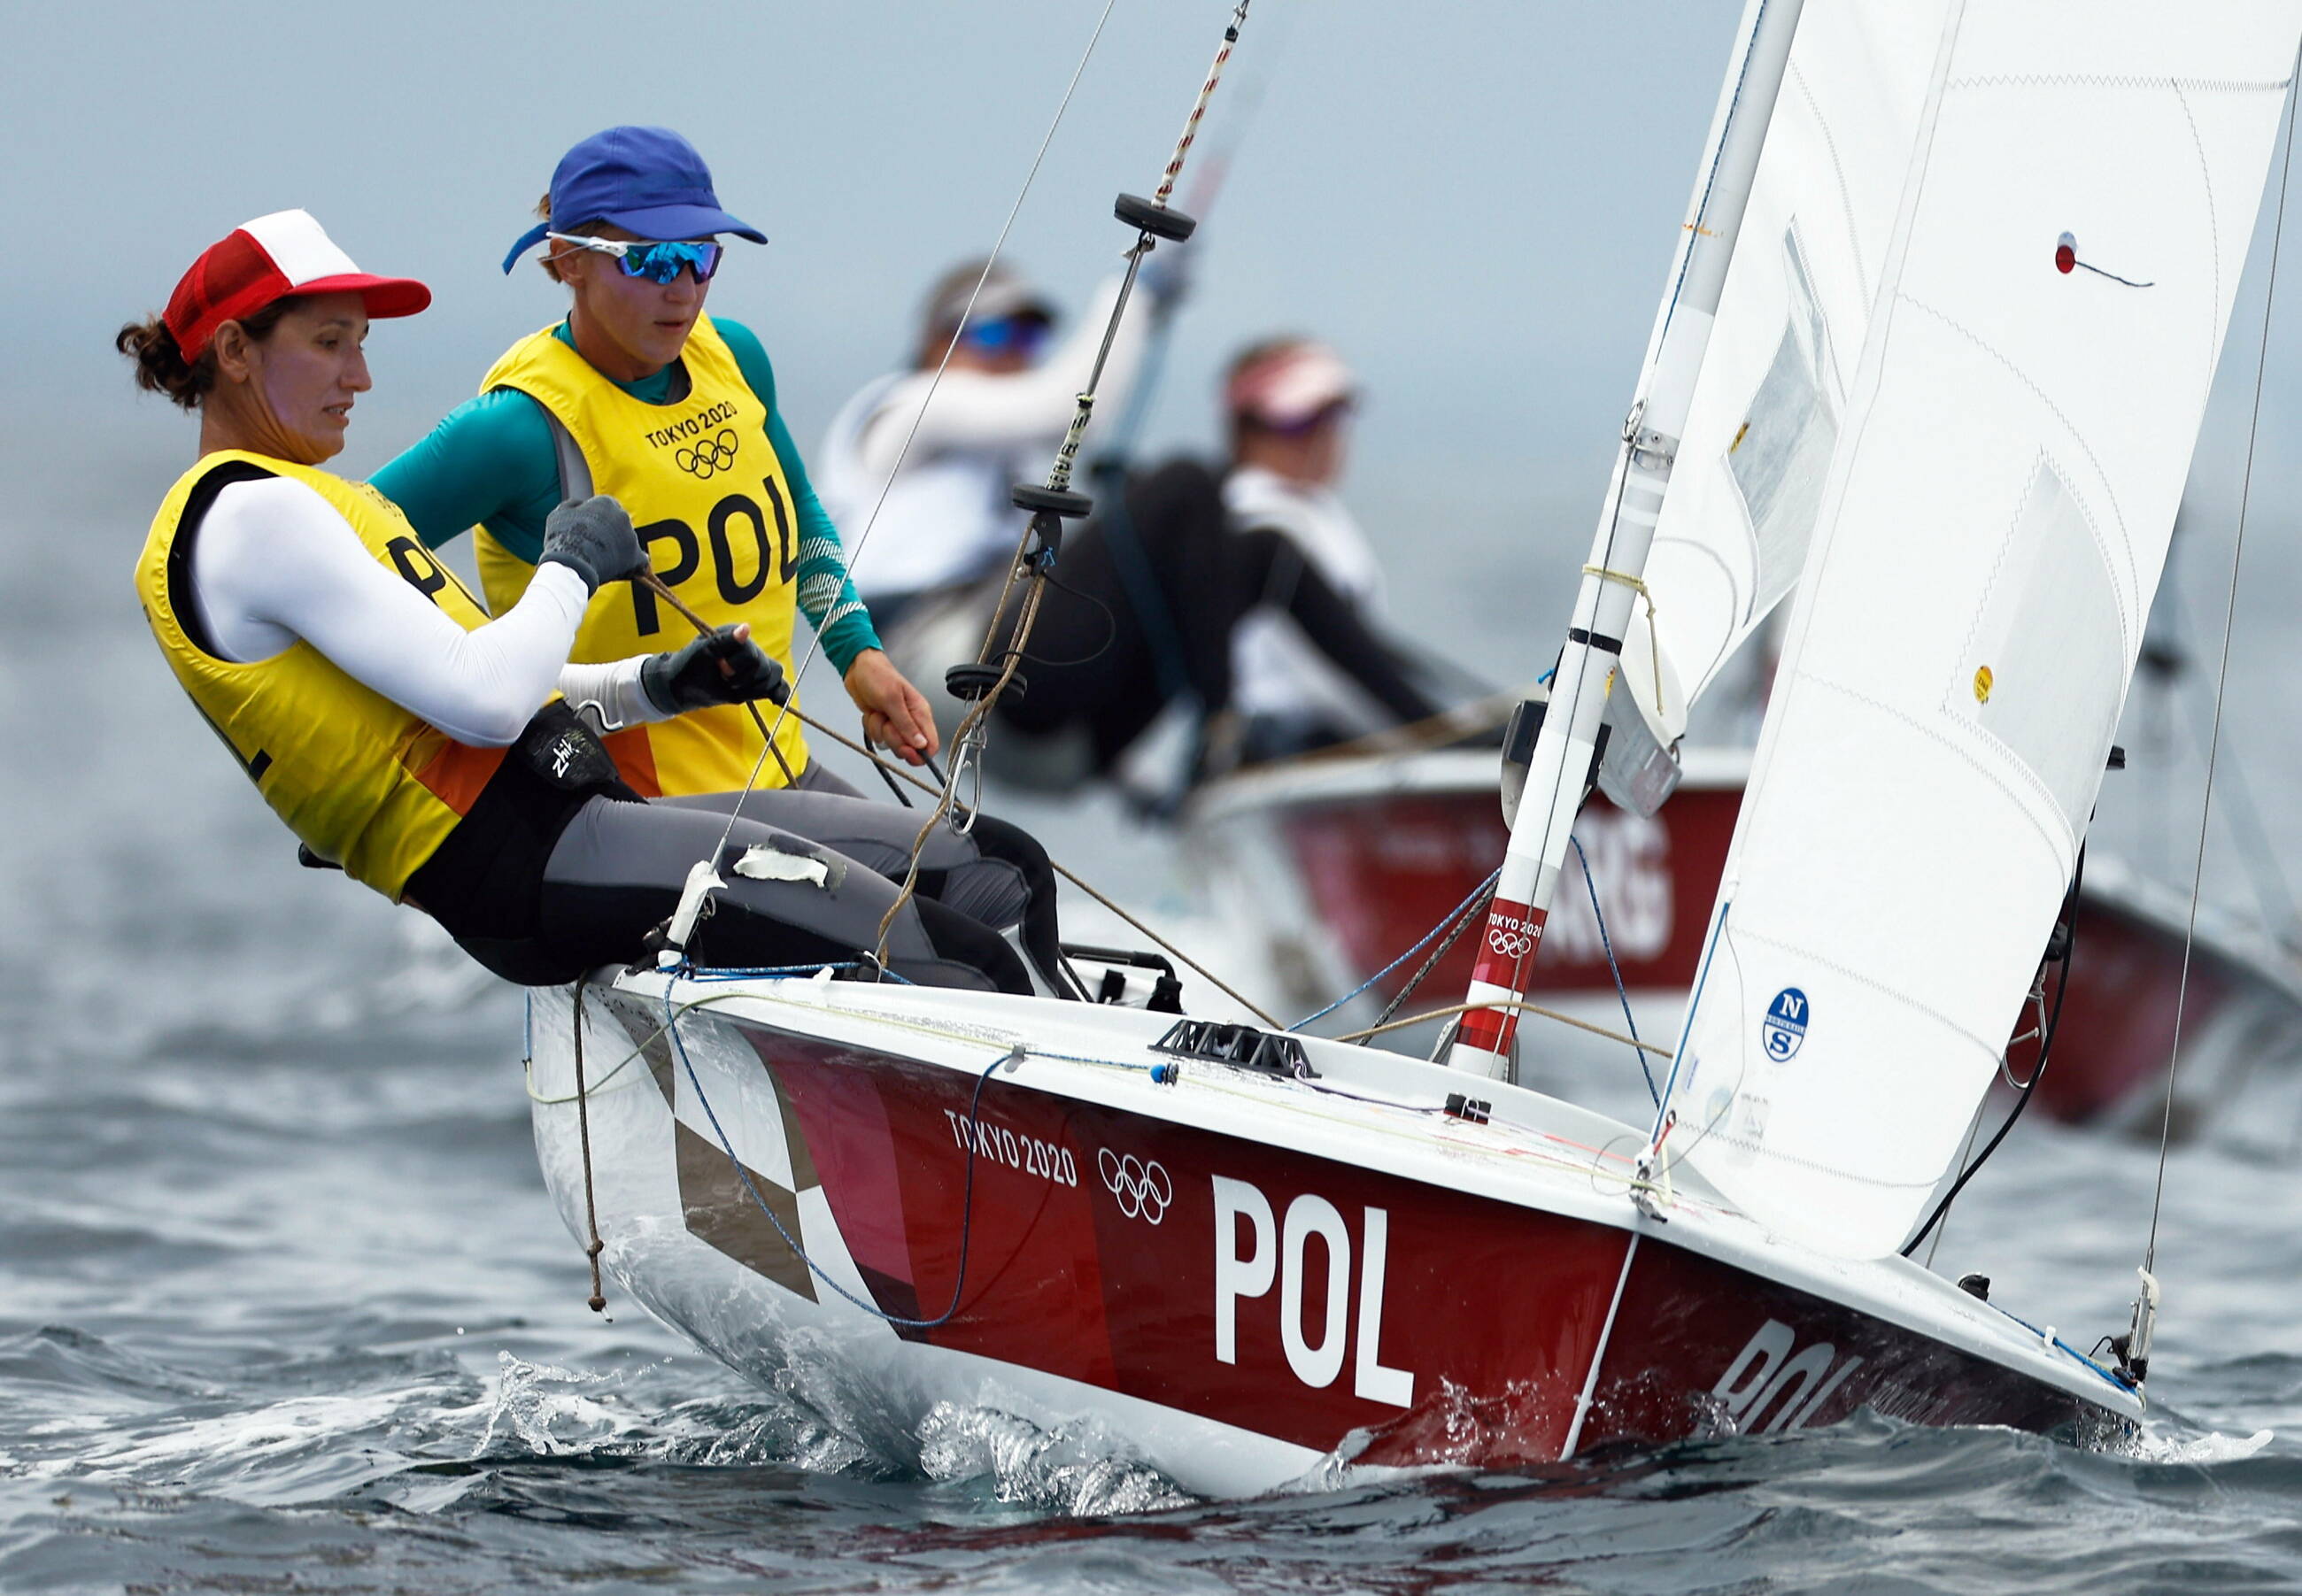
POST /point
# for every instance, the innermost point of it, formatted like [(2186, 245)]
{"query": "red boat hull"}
[(1377, 868), (1334, 1308)]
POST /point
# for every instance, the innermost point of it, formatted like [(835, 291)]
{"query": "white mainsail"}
[(2011, 419)]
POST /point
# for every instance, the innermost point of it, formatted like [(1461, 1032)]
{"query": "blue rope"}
[(967, 1198), (1448, 919), (1614, 969)]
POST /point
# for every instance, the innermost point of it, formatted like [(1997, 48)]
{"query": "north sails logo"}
[(1784, 1030), (1142, 1188), (712, 456)]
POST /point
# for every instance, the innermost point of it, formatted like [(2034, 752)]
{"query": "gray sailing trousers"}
[(953, 869), (821, 874)]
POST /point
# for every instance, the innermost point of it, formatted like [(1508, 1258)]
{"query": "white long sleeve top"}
[(1276, 669), (947, 519), (274, 562)]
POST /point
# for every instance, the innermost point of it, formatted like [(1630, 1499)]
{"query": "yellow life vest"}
[(361, 780), (712, 503)]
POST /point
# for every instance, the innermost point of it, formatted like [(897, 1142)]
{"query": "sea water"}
[(286, 1308)]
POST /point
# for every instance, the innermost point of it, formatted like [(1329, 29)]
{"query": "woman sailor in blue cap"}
[(639, 394)]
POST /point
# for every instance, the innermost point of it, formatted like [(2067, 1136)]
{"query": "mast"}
[(1565, 750)]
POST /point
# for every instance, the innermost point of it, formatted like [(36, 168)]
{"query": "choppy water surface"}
[(286, 1308)]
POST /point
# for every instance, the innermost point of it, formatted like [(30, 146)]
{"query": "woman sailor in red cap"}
[(429, 751)]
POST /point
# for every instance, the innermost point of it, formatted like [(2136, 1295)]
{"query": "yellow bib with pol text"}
[(711, 504), (361, 780)]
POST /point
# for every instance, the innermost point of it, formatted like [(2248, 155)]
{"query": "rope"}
[(888, 767), (1454, 917), (1199, 109), (703, 628), (592, 1248), (1220, 985), (1637, 585), (1522, 1006), (1462, 924), (1203, 1081), (934, 382), (966, 1202), (1614, 969), (2221, 677), (2053, 1023), (1034, 553)]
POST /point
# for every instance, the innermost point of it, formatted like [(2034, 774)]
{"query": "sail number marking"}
[(1277, 1251)]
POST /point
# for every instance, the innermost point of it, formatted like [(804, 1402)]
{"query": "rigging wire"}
[(2038, 1073), (1109, 470), (991, 260), (1457, 917), (996, 667), (2222, 668), (1598, 915), (1475, 912)]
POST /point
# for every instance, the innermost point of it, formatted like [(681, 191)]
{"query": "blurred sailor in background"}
[(1001, 407), (1287, 403)]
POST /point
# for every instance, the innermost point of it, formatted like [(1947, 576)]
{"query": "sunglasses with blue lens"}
[(1004, 335), (657, 262)]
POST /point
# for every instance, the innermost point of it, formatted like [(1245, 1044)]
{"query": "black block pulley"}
[(1148, 215), (1051, 501), (971, 681)]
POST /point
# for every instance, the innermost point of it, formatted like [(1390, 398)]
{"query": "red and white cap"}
[(1289, 386), (271, 258)]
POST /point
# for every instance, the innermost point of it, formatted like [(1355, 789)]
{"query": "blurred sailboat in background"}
[(1338, 863)]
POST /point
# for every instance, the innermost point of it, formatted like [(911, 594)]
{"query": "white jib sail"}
[(2017, 422), (1770, 399)]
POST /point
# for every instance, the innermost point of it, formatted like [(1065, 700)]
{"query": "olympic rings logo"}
[(1509, 943), (712, 456), (1142, 1188)]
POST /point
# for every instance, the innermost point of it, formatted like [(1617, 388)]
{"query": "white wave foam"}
[(1078, 1468), (2213, 1446)]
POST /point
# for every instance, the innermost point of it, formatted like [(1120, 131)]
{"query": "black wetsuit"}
[(1124, 630)]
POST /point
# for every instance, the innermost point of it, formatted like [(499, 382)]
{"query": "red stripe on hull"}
[(1304, 1298)]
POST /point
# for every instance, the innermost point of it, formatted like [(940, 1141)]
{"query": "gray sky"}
[(1477, 202)]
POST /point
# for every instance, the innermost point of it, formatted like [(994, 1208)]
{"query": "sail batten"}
[(2075, 191)]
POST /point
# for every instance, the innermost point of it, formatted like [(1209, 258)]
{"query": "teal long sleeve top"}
[(490, 462)]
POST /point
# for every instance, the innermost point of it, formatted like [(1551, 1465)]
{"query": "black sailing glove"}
[(594, 538), (724, 668)]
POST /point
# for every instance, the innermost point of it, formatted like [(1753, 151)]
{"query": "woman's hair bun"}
[(160, 364)]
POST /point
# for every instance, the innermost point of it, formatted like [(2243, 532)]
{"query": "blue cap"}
[(648, 181)]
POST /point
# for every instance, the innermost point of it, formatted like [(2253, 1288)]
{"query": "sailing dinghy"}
[(2012, 232), (1334, 864)]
